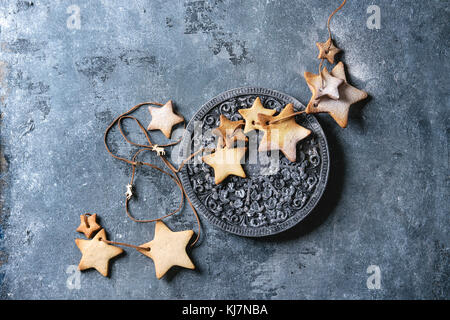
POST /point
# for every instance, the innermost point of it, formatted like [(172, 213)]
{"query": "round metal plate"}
[(261, 204)]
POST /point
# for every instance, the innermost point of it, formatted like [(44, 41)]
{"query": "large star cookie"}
[(282, 135), (251, 115), (96, 253), (168, 249), (338, 109), (163, 118), (226, 161)]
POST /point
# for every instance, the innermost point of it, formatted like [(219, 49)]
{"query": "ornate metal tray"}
[(260, 204)]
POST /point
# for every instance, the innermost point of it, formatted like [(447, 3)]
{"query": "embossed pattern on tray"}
[(258, 205)]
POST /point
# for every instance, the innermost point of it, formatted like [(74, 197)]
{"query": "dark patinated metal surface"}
[(261, 204)]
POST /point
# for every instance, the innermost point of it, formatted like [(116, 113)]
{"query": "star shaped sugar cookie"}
[(96, 253), (91, 226), (163, 118), (325, 85), (348, 95), (226, 161), (251, 115), (168, 249), (282, 135), (327, 50), (230, 130)]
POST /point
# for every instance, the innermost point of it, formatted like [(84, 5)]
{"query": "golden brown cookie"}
[(168, 249), (338, 109), (320, 86), (282, 135), (327, 50), (163, 118), (251, 115), (96, 253), (226, 161), (229, 130), (91, 226)]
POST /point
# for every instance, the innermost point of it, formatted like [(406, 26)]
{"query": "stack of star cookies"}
[(281, 132), (226, 160), (331, 92)]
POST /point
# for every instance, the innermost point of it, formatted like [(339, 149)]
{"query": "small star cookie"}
[(168, 249), (226, 161), (163, 118), (251, 115), (338, 109), (91, 226), (96, 253), (282, 135), (229, 130), (327, 50)]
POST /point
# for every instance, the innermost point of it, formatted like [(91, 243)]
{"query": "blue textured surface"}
[(387, 198)]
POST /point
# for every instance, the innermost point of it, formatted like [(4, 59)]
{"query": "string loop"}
[(150, 147)]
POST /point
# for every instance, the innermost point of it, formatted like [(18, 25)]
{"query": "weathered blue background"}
[(387, 199)]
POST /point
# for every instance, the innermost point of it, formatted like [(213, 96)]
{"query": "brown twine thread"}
[(283, 118), (286, 117), (329, 31), (149, 147), (331, 15), (124, 244), (329, 39)]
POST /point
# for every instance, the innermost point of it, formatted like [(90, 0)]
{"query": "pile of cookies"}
[(331, 93), (281, 132)]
